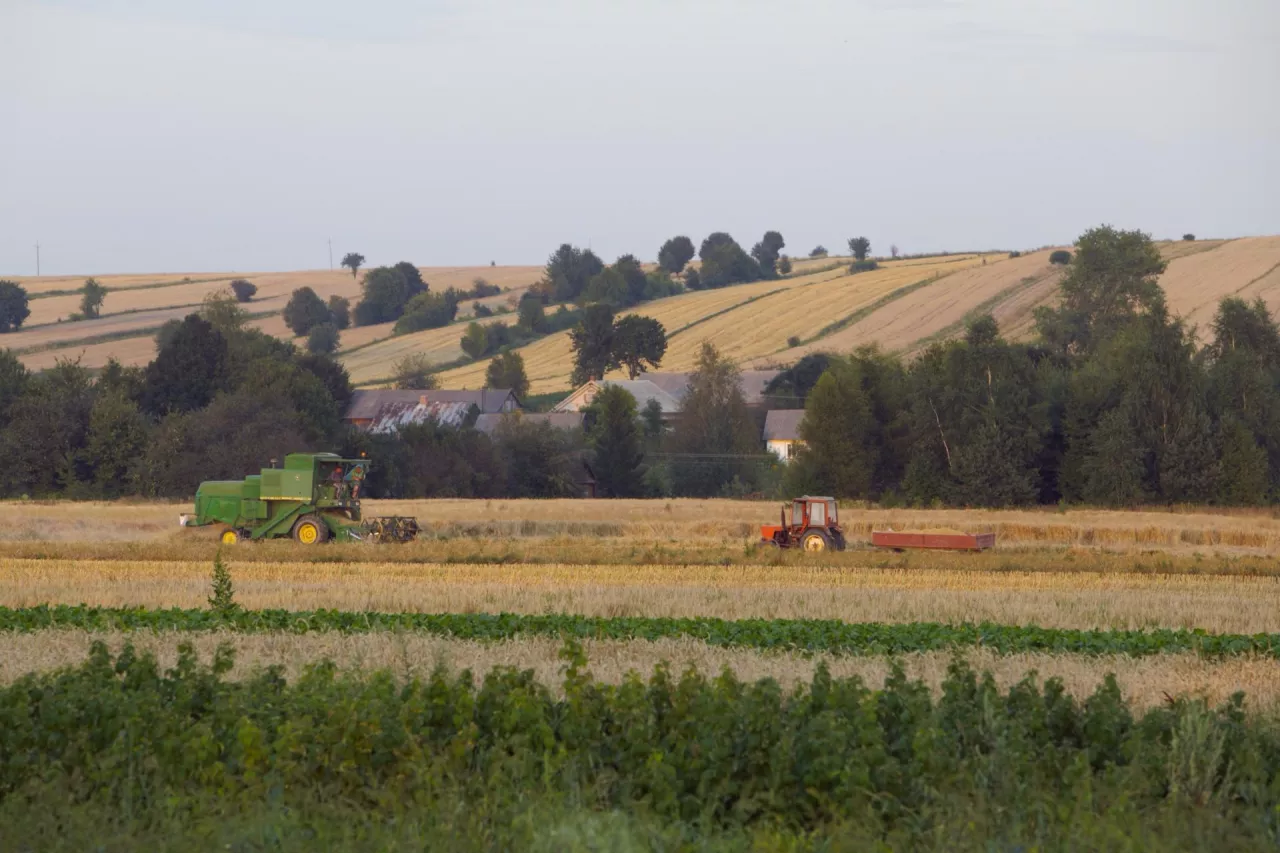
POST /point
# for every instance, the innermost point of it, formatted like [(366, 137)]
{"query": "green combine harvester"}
[(313, 498)]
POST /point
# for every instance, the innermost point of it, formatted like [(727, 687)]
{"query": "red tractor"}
[(815, 526)]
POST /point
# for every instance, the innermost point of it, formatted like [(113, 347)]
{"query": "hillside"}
[(903, 306)]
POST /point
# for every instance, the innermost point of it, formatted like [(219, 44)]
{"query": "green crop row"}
[(810, 635), (118, 754)]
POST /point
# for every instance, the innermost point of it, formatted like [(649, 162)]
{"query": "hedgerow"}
[(810, 635), (146, 750)]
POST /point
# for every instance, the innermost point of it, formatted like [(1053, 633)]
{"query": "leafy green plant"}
[(222, 595)]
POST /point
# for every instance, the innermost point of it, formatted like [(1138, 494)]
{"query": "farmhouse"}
[(385, 409), (782, 432)]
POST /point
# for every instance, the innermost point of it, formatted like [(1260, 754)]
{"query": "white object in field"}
[(184, 520)]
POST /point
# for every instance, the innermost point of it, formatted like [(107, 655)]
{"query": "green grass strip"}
[(809, 635)]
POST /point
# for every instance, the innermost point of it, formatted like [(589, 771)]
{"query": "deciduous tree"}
[(675, 253), (506, 370), (637, 342), (592, 342), (13, 306), (353, 261), (859, 247)]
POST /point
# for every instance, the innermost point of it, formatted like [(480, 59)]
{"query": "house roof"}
[(393, 416), (366, 403), (488, 423), (669, 389), (783, 425)]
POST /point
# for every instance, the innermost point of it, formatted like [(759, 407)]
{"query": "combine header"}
[(313, 498)]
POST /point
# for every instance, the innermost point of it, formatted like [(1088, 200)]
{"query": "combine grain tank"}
[(313, 498)]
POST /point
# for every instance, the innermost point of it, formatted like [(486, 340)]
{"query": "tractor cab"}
[(813, 524)]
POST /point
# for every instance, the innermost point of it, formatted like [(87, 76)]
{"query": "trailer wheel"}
[(310, 530), (815, 541), (230, 536)]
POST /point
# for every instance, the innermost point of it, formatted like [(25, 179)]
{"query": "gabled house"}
[(387, 406), (782, 432)]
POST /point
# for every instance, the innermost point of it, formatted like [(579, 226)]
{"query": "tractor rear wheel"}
[(230, 536), (310, 530), (815, 541)]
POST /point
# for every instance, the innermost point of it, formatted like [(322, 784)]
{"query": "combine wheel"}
[(310, 530), (230, 536), (815, 541)]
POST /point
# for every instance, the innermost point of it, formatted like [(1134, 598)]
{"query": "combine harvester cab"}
[(315, 497)]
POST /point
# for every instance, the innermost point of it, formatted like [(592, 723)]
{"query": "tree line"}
[(1113, 403)]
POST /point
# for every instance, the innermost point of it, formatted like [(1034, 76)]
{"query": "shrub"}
[(414, 373), (863, 266), (784, 265), (1015, 254), (322, 339), (481, 310), (1190, 238), (243, 289), (793, 341), (427, 311), (1061, 256), (819, 251), (340, 311), (304, 311)]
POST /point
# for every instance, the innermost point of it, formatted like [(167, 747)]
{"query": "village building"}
[(782, 432)]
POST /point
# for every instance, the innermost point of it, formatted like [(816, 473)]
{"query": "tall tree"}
[(323, 339), (305, 310), (117, 437), (340, 311), (13, 306), (724, 263), (568, 271), (766, 253), (859, 247), (714, 440), (353, 261), (385, 293), (13, 382), (188, 371), (506, 370), (92, 295), (221, 309), (675, 253), (615, 441), (592, 342), (1111, 280), (637, 342)]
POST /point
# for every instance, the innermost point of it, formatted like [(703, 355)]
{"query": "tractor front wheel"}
[(815, 541), (310, 530)]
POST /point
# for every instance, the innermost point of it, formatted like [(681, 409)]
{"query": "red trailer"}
[(948, 541)]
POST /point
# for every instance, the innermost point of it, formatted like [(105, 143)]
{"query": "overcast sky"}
[(192, 135)]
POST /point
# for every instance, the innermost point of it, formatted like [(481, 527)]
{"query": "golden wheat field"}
[(1077, 569), (138, 304), (750, 321)]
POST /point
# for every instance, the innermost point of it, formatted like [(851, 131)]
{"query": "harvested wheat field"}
[(648, 523), (138, 304), (850, 594), (1146, 682), (749, 322), (1195, 283)]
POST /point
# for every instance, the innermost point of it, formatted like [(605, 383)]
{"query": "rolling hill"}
[(903, 306)]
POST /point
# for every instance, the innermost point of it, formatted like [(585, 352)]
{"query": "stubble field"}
[(1092, 570)]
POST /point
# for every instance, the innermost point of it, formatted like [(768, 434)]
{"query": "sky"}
[(210, 135)]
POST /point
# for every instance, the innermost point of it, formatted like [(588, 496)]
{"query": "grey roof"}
[(393, 416), (783, 425), (677, 384), (488, 423), (669, 389), (366, 403)]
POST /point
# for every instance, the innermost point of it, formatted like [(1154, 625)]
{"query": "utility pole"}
[(331, 253), (37, 260)]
